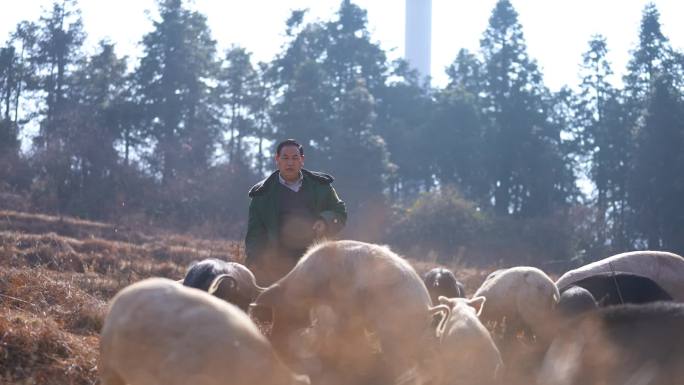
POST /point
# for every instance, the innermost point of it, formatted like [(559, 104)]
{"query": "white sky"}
[(557, 31)]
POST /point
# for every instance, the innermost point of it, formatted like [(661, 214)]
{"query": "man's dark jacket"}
[(263, 225)]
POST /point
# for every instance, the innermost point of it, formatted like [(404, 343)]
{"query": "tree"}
[(527, 168), (16, 69), (303, 104), (653, 102), (261, 105), (173, 81), (321, 63), (326, 81), (355, 74), (359, 160), (652, 56), (466, 72), (657, 184), (8, 87), (457, 143), (460, 115), (238, 82), (355, 144), (606, 143), (55, 56), (96, 98), (16, 77), (402, 122), (595, 92), (9, 142), (350, 55), (305, 109), (129, 108)]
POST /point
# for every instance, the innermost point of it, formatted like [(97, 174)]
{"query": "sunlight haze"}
[(557, 32)]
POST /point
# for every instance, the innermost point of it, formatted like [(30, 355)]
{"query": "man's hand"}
[(319, 228)]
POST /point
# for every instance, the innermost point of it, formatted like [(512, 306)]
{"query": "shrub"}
[(442, 226), (441, 222)]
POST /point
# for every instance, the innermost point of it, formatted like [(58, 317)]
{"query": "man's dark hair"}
[(290, 142)]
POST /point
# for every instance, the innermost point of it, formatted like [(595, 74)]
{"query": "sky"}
[(557, 31)]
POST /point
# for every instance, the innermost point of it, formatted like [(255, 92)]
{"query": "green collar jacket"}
[(262, 227)]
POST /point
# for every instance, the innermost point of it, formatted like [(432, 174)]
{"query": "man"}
[(289, 210)]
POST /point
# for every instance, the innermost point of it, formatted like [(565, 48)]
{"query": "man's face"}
[(289, 163)]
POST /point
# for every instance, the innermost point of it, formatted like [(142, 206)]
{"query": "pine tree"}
[(457, 145), (16, 76), (303, 107), (653, 55), (9, 141), (356, 71), (24, 40), (55, 57), (402, 122), (261, 107), (8, 87), (653, 101), (173, 81), (238, 82), (327, 80), (360, 162), (58, 52), (96, 97), (350, 55), (527, 169), (606, 143), (657, 184), (466, 72), (322, 62), (595, 93)]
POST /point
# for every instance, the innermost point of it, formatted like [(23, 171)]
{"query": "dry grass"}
[(56, 276), (35, 350)]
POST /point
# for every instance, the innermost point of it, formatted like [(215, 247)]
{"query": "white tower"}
[(419, 35)]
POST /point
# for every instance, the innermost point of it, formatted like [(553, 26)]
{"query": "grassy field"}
[(57, 274)]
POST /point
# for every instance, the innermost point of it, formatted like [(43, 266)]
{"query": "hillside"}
[(57, 274)]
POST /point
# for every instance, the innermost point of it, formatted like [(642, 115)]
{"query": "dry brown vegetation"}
[(57, 274)]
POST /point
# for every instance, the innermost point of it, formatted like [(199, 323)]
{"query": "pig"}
[(575, 300), (441, 281), (523, 297), (229, 281), (160, 332), (379, 301), (468, 353), (614, 288), (663, 268), (617, 345)]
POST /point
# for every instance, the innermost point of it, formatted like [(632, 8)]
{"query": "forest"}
[(492, 167)]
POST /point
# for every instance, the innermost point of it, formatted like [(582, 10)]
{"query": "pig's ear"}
[(477, 303), (223, 283)]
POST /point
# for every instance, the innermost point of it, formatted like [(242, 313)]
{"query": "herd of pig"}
[(354, 313)]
